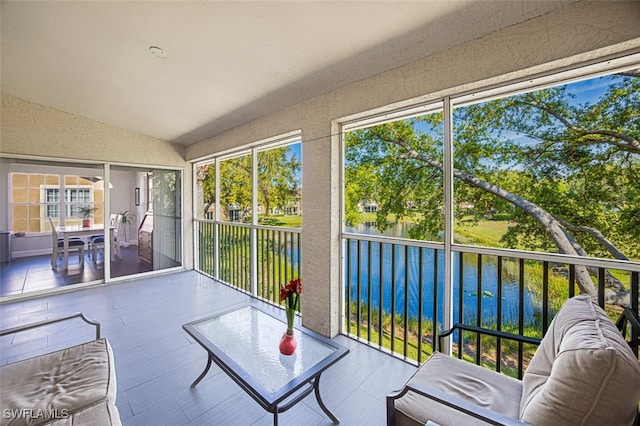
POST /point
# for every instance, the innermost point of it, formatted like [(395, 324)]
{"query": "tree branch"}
[(566, 244), (604, 242), (631, 145)]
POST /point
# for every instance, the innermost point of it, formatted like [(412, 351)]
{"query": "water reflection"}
[(388, 266)]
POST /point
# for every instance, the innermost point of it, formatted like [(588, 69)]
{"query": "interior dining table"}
[(77, 231)]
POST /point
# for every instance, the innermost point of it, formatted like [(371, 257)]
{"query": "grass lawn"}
[(281, 220), (484, 232)]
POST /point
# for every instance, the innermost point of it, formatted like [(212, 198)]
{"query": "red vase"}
[(288, 344)]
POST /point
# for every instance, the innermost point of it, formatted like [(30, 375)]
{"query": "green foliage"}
[(126, 217), (87, 211), (580, 162), (378, 170), (206, 175), (278, 183), (235, 184)]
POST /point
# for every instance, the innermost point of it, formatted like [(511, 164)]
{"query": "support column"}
[(321, 230)]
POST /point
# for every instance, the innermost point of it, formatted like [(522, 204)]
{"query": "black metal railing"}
[(382, 301), (225, 251), (394, 297), (394, 292), (278, 260)]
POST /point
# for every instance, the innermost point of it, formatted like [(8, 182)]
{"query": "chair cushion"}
[(69, 381), (582, 373), (461, 379), (72, 243)]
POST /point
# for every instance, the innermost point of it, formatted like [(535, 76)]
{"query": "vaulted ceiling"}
[(226, 63)]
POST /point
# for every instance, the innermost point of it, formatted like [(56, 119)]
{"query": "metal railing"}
[(278, 260), (394, 297), (394, 288), (256, 259)]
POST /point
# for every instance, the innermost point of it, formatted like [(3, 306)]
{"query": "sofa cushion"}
[(62, 383), (463, 380), (582, 373)]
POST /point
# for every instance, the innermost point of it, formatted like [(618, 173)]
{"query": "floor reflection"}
[(27, 274)]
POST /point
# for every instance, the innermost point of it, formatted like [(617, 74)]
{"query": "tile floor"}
[(156, 360), (24, 275)]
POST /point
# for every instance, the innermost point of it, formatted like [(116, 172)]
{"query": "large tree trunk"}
[(566, 244)]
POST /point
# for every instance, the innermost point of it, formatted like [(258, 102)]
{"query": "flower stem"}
[(291, 314)]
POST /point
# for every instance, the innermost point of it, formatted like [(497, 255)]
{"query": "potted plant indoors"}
[(87, 213), (125, 219)]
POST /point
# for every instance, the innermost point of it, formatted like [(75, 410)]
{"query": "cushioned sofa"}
[(583, 373), (72, 386)]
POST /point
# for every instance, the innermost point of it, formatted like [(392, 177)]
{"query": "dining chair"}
[(115, 220), (93, 244), (75, 244), (97, 241), (96, 244)]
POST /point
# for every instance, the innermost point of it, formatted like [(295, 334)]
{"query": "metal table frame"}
[(280, 400)]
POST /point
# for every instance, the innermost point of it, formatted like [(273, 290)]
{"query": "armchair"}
[(583, 372)]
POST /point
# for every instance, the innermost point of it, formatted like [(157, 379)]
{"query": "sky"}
[(295, 150)]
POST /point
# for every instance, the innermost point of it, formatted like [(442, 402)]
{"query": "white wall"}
[(37, 131), (32, 129)]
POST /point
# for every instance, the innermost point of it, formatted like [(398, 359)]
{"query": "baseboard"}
[(29, 253)]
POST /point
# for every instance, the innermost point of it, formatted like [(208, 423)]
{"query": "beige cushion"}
[(70, 381), (583, 372), (461, 379)]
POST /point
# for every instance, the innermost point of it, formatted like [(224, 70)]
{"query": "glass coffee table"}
[(244, 344)]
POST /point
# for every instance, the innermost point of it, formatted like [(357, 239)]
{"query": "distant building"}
[(368, 206), (234, 213)]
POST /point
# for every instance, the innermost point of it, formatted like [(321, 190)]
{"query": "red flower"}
[(284, 293), (294, 286), (291, 293)]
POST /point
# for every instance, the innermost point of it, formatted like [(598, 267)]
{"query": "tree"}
[(235, 184), (277, 180), (206, 178), (569, 170)]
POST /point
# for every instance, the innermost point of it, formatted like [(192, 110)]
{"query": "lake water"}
[(434, 259)]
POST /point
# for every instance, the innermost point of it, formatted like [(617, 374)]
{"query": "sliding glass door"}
[(167, 218), (149, 210)]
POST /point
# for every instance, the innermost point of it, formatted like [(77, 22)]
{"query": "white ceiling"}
[(227, 62)]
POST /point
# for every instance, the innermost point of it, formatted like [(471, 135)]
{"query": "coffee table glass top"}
[(250, 337)]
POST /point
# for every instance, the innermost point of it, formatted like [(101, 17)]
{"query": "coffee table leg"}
[(204, 373), (316, 386)]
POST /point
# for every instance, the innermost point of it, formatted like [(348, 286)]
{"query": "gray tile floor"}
[(27, 274), (156, 360)]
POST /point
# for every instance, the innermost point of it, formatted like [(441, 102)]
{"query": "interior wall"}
[(32, 129), (569, 36), (122, 193), (29, 129), (122, 197)]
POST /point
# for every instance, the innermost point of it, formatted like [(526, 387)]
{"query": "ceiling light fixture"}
[(158, 52)]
